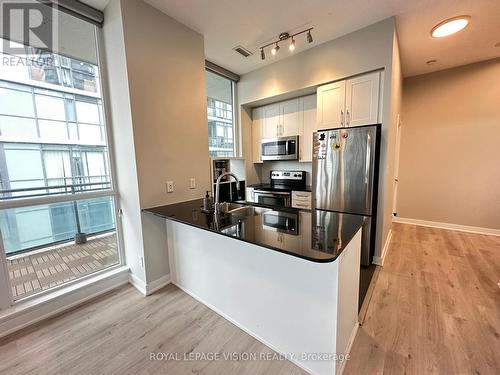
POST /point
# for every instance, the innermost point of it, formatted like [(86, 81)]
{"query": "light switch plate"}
[(192, 183)]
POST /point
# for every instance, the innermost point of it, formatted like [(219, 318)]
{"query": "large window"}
[(221, 123), (57, 199)]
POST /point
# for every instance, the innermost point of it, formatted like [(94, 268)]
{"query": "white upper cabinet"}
[(362, 100), (307, 112), (292, 117), (271, 120), (289, 118), (331, 105), (257, 121), (281, 119), (351, 102)]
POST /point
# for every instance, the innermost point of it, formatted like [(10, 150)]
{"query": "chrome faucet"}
[(217, 204)]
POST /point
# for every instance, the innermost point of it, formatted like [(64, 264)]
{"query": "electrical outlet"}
[(192, 183), (170, 186)]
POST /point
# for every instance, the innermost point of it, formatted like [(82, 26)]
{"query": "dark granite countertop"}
[(316, 235)]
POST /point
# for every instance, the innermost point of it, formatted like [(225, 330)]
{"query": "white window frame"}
[(6, 297), (236, 130)]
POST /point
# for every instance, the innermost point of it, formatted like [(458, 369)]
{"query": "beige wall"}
[(166, 69), (450, 147), (374, 47), (395, 109), (159, 121)]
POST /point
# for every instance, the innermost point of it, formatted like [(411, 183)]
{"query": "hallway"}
[(435, 308)]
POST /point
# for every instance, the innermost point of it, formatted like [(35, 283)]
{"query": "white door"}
[(396, 166), (362, 98), (256, 135), (331, 104), (289, 118), (271, 120), (307, 110)]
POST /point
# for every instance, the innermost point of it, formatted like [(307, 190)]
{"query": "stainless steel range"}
[(279, 191)]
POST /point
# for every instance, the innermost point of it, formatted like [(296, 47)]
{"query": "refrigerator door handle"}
[(367, 169)]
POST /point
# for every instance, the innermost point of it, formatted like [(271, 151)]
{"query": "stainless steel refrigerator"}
[(345, 176)]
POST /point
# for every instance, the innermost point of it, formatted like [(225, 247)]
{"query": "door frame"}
[(396, 165)]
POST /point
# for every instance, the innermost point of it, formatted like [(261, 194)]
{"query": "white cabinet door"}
[(289, 118), (271, 121), (307, 111), (331, 103), (257, 116), (362, 100)]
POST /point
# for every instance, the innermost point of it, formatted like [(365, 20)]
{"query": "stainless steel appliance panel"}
[(281, 148), (343, 169), (273, 198)]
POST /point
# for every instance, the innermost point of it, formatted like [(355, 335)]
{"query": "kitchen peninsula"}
[(288, 277)]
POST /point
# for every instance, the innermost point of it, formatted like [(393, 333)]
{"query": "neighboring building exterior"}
[(52, 142)]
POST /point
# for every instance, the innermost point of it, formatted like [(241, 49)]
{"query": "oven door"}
[(272, 198), (283, 148)]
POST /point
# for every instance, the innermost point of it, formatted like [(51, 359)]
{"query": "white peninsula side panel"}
[(289, 304)]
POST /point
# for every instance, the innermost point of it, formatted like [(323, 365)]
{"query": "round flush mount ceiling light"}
[(450, 26)]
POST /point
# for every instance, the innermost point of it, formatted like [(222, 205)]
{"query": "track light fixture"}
[(282, 37)]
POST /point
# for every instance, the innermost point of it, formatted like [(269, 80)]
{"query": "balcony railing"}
[(76, 185)]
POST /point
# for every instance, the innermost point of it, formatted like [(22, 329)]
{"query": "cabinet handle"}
[(348, 118), (302, 195), (302, 205), (341, 117)]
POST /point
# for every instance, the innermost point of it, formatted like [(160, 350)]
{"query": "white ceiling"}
[(228, 23), (475, 43)]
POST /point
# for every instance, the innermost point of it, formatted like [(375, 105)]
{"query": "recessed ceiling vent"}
[(242, 51)]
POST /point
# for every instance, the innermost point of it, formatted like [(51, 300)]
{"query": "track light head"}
[(309, 37), (291, 47), (262, 54), (275, 49)]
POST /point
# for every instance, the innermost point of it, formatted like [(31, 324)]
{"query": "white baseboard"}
[(341, 368), (157, 284), (148, 289), (255, 336), (379, 261), (137, 283), (456, 227), (34, 310)]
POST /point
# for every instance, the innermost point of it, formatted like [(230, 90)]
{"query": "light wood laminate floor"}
[(435, 307), (435, 310), (116, 333)]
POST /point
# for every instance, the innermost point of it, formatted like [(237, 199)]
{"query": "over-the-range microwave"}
[(281, 148)]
